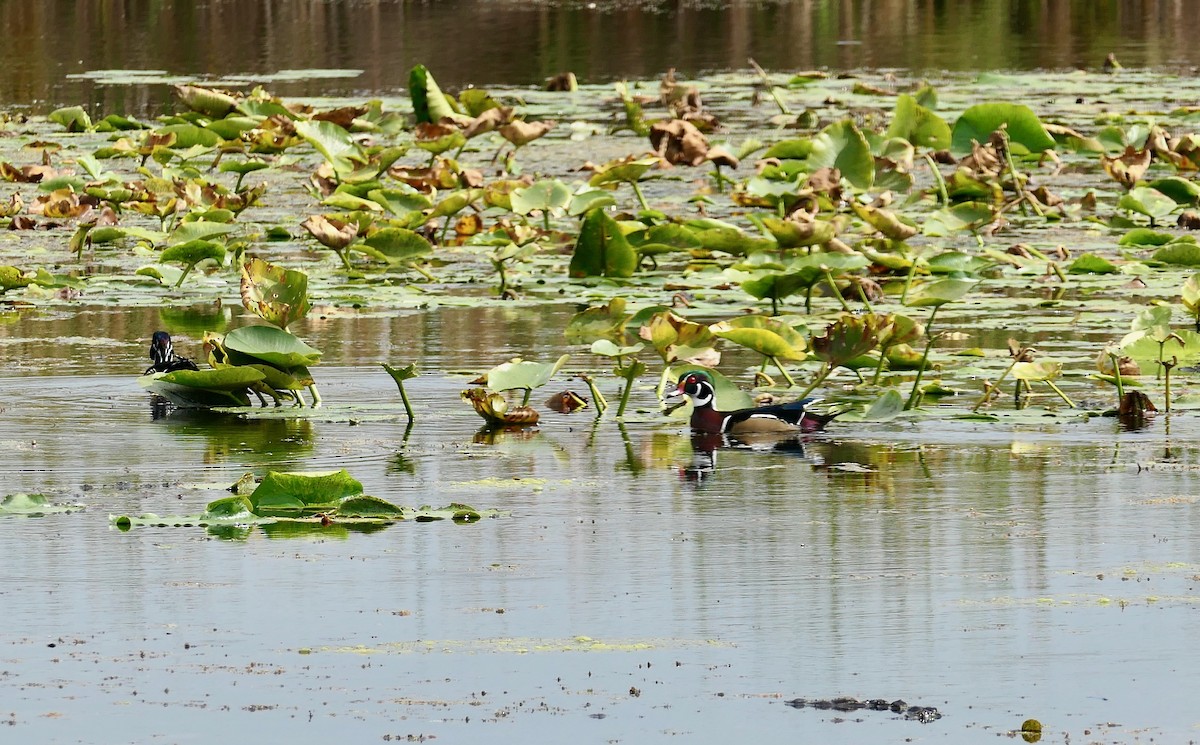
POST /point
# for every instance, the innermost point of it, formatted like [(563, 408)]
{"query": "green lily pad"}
[(978, 122), (941, 292), (224, 386), (602, 249), (33, 505), (281, 492), (523, 374), (843, 146)]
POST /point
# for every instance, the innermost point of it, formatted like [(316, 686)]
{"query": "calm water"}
[(993, 574), (488, 42)]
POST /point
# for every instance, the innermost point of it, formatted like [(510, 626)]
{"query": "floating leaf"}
[(226, 386), (283, 492), (1092, 264)]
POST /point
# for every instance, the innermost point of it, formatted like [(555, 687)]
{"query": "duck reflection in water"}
[(706, 444)]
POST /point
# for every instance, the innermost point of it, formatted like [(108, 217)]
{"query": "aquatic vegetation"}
[(326, 498), (855, 205)]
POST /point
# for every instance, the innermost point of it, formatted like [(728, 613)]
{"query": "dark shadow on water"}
[(228, 434)]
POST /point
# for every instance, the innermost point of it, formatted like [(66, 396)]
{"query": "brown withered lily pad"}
[(566, 402), (679, 142), (495, 410)]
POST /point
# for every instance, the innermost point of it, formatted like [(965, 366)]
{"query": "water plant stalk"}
[(597, 396), (990, 388), (833, 285), (915, 396), (943, 194), (783, 371)]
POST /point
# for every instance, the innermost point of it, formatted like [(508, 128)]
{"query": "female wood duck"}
[(162, 354), (790, 417)]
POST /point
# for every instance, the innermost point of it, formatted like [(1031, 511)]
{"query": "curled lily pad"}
[(495, 409)]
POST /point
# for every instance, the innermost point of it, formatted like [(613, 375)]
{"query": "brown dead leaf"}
[(678, 142), (488, 121), (330, 232), (520, 132), (343, 117), (1129, 167)]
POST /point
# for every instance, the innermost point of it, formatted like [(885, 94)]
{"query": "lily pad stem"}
[(186, 271), (862, 295), (316, 395), (943, 195), (408, 409), (1117, 376), (525, 398), (834, 287), (344, 255), (990, 388), (766, 81), (783, 371), (1022, 197), (597, 396), (824, 373), (1063, 396), (631, 372), (912, 270), (637, 191), (883, 350), (915, 396)]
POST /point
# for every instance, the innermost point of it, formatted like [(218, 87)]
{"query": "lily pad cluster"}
[(324, 498)]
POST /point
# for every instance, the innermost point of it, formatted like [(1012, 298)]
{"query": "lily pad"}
[(271, 345)]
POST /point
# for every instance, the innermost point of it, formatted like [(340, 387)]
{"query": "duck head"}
[(698, 386)]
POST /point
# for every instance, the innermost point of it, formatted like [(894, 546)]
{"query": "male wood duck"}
[(162, 354), (789, 417)]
